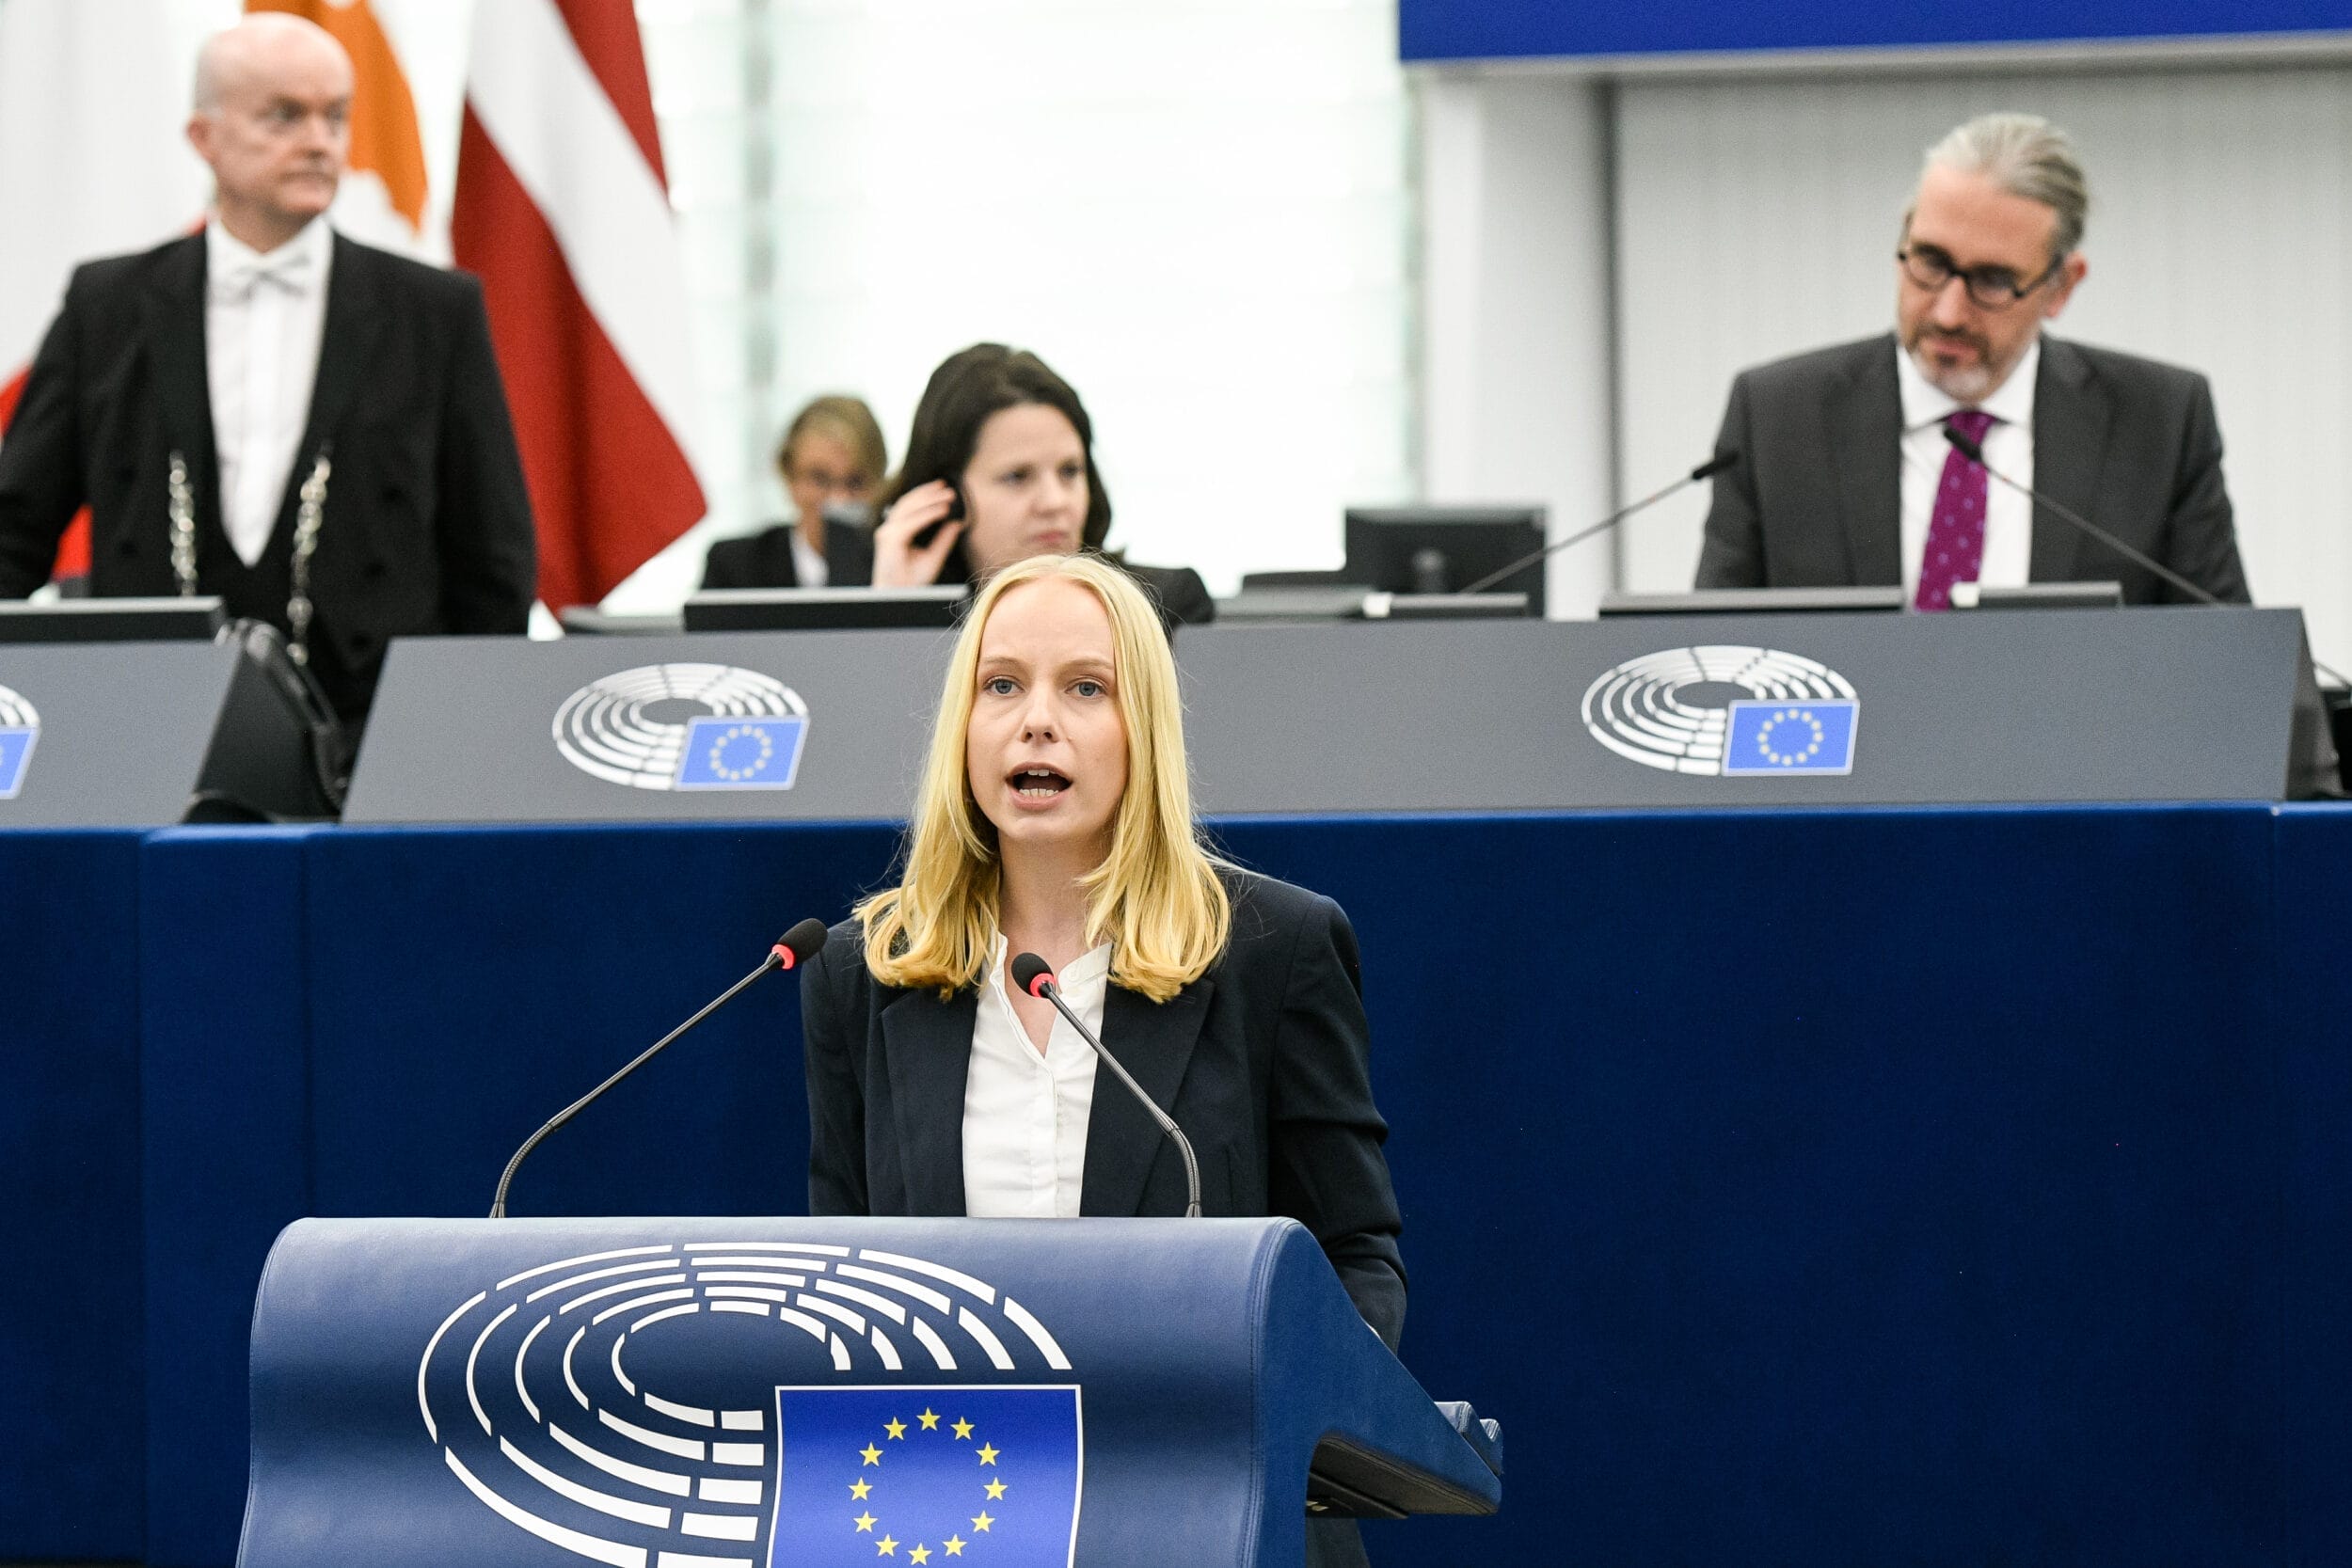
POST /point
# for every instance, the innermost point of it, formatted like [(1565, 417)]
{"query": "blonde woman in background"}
[(831, 459)]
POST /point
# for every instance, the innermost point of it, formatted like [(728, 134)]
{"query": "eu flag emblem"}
[(923, 1474), (1791, 737), (742, 753), (16, 749)]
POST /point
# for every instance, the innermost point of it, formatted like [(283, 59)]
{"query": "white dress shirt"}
[(2008, 446), (1024, 1112), (264, 317), (808, 564)]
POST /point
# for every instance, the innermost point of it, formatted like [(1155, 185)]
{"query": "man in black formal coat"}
[(217, 376), (1843, 456)]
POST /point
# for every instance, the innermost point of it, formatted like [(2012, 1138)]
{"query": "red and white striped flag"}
[(92, 98), (563, 208)]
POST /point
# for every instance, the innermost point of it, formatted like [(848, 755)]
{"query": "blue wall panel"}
[(2313, 1023), (1834, 1189), (225, 1094), (1432, 30), (69, 1295)]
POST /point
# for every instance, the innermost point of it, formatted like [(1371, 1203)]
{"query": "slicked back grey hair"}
[(2025, 155)]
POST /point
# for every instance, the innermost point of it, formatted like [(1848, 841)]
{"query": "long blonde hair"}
[(1156, 898)]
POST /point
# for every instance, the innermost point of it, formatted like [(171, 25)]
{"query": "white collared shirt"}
[(265, 317), (2008, 446), (1024, 1112), (808, 562)]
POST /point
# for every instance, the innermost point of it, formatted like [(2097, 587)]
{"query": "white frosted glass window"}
[(1199, 213)]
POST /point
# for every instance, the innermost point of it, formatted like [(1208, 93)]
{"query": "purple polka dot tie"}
[(1955, 549)]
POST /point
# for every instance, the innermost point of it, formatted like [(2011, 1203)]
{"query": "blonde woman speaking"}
[(1055, 817)]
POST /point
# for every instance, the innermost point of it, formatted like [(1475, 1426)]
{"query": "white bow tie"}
[(290, 269)]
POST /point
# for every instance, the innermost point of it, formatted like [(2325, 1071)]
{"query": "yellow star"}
[(859, 1488), (981, 1521), (988, 1454), (864, 1522), (873, 1454), (896, 1429), (921, 1554), (995, 1490), (964, 1429), (955, 1545), (886, 1546), (930, 1419)]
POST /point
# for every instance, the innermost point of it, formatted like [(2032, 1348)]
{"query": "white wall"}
[(1518, 402)]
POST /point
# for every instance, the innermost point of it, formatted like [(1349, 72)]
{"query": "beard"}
[(1968, 382)]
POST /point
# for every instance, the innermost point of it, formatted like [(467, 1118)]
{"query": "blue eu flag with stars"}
[(927, 1475), (16, 749), (1791, 737), (742, 753)]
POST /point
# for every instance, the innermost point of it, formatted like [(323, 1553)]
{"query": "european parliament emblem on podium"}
[(799, 1393)]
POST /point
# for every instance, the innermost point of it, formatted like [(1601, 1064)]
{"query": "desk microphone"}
[(1707, 470), (1974, 451), (1032, 974), (791, 950)]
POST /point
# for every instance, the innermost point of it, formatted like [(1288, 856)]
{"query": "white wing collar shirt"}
[(265, 319), (1024, 1112), (2008, 446)]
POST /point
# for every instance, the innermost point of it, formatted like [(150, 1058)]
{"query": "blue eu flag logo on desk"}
[(16, 749), (742, 753), (927, 1475), (1791, 737)]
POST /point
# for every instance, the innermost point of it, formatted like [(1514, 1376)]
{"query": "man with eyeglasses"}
[(311, 429), (1846, 477)]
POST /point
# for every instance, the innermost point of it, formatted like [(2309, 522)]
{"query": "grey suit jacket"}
[(1816, 500)]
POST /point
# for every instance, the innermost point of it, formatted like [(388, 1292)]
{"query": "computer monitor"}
[(1443, 550), (194, 618), (823, 608)]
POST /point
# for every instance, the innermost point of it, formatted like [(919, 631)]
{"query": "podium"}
[(725, 1393)]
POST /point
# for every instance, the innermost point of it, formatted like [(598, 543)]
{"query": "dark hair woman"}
[(999, 467)]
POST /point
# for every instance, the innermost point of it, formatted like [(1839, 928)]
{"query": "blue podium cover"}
[(700, 1393)]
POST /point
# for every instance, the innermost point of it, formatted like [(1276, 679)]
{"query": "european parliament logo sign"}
[(758, 1404), (20, 727), (685, 726), (1721, 709), (925, 1474)]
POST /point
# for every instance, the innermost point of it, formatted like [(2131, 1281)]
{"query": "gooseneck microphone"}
[(791, 950), (1973, 449), (1707, 470), (1035, 976)]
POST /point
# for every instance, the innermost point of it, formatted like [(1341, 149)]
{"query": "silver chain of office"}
[(309, 514)]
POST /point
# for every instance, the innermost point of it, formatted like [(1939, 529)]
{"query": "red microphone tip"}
[(785, 959)]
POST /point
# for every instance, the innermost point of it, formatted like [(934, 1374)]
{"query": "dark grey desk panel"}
[(124, 729), (2050, 706), (462, 729)]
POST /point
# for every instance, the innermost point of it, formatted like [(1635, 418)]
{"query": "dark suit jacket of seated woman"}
[(764, 560)]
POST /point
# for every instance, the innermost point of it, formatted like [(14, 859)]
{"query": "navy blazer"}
[(1816, 499), (1264, 1062)]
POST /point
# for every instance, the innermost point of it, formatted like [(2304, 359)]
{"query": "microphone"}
[(791, 950), (1032, 974), (1974, 451), (1707, 470)]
